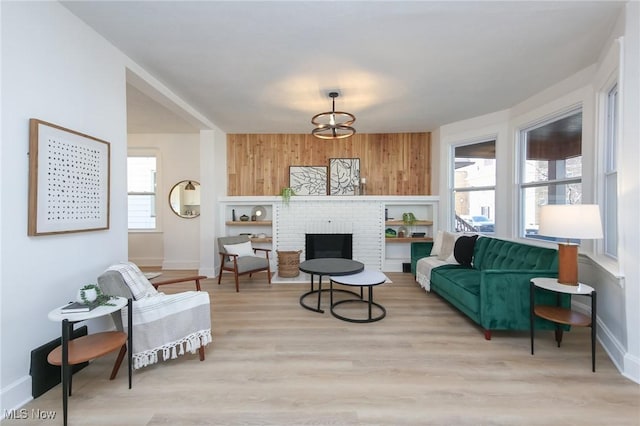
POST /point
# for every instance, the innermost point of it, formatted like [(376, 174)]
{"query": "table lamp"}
[(570, 221)]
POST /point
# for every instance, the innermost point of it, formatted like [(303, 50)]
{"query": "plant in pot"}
[(286, 194), (91, 294), (408, 219)]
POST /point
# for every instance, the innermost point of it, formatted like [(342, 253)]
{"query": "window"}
[(141, 188), (610, 187), (551, 167), (474, 186)]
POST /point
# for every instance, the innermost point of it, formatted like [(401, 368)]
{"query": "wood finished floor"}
[(274, 363)]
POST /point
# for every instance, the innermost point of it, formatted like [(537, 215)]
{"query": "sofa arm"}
[(504, 298), (419, 249)]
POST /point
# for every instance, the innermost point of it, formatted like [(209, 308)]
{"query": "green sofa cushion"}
[(461, 283)]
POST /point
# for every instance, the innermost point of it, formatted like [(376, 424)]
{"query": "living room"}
[(57, 68)]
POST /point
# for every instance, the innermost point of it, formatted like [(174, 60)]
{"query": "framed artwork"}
[(68, 180), (344, 176), (308, 180)]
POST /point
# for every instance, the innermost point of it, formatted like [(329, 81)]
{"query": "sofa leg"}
[(487, 334)]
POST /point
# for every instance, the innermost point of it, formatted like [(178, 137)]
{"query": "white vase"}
[(89, 294)]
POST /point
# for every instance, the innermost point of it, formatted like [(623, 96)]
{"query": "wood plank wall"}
[(393, 163)]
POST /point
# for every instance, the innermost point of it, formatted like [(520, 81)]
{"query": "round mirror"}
[(184, 199)]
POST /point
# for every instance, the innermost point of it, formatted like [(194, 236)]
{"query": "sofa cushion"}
[(463, 249), (437, 244), (446, 249), (460, 283)]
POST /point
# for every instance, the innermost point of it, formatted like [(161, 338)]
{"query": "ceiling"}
[(267, 66)]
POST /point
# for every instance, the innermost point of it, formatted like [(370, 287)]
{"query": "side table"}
[(91, 346), (560, 315), (362, 279)]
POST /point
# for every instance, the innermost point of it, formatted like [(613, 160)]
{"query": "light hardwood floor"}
[(274, 363)]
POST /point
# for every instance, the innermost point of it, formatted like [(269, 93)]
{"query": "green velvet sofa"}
[(494, 291)]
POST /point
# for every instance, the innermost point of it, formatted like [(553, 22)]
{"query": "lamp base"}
[(568, 264)]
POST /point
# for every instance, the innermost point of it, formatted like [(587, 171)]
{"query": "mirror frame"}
[(178, 186)]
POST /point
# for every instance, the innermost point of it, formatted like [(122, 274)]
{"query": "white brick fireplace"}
[(362, 218)]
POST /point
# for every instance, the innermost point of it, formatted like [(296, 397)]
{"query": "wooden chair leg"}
[(201, 352), (235, 273), (116, 366), (269, 274), (198, 284), (221, 268)]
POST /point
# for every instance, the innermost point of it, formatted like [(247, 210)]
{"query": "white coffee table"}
[(366, 278)]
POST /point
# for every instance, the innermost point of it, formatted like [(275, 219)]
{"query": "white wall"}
[(618, 286), (177, 241), (56, 69)]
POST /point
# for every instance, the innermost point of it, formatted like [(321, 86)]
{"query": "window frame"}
[(452, 171), (609, 142), (147, 152), (522, 184)]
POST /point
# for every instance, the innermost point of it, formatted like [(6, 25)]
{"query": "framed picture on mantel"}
[(308, 180), (344, 176)]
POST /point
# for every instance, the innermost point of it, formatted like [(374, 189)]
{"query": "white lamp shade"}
[(570, 221)]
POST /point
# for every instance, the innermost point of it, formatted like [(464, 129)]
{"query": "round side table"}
[(86, 348)]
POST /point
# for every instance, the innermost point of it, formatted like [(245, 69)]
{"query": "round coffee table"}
[(327, 266), (362, 279)]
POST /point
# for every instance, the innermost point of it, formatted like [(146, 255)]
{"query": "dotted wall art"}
[(68, 180)]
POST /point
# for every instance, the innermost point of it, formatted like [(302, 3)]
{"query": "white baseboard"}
[(147, 261), (626, 364), (180, 265), (15, 395)]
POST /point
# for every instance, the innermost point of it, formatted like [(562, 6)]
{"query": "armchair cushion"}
[(249, 263), (241, 249)]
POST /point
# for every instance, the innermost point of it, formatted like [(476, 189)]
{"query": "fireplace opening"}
[(328, 245)]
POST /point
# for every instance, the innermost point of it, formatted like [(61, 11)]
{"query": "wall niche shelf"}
[(248, 223), (401, 223), (406, 239)]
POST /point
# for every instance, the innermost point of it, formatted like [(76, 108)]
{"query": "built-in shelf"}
[(248, 223), (415, 223), (261, 240), (406, 239)]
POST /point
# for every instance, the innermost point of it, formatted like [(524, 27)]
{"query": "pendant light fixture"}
[(333, 124), (189, 187)]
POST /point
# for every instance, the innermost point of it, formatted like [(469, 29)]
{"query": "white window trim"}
[(451, 166), (607, 76), (151, 152), (520, 161)]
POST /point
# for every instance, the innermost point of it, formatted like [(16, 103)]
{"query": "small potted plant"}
[(408, 219), (91, 294), (286, 194)]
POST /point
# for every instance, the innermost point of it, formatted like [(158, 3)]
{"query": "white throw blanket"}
[(171, 323), (423, 270)]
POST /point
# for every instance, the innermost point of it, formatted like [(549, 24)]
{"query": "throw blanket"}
[(138, 284), (423, 270), (169, 323)]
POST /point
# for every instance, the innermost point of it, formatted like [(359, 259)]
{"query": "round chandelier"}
[(333, 124)]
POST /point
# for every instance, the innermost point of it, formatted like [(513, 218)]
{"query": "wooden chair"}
[(239, 261), (113, 282)]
